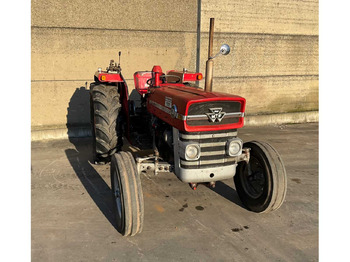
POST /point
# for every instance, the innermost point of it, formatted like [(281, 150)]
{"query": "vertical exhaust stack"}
[(224, 50), (210, 62)]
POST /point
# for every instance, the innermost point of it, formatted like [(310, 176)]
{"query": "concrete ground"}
[(72, 218)]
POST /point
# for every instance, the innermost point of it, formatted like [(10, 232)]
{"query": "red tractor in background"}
[(193, 133)]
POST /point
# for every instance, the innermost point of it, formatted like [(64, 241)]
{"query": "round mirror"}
[(225, 49)]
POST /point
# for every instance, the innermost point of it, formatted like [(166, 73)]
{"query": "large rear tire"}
[(127, 194), (105, 109), (262, 183)]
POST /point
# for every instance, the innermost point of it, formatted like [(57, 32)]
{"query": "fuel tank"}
[(192, 109)]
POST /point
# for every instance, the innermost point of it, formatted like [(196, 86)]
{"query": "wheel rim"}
[(117, 194), (253, 178)]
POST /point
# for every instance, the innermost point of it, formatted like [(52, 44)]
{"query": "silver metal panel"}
[(206, 174), (212, 144), (205, 136), (198, 117), (213, 153), (201, 174)]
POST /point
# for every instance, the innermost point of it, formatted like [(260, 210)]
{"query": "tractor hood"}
[(192, 109)]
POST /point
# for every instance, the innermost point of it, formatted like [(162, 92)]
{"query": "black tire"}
[(105, 108), (93, 134), (263, 188), (127, 194)]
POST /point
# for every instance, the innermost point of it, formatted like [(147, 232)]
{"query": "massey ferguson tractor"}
[(192, 132)]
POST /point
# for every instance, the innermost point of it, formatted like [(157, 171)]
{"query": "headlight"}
[(192, 152), (234, 147), (189, 150)]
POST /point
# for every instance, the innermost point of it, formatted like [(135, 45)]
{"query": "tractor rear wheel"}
[(105, 108), (262, 183), (127, 194)]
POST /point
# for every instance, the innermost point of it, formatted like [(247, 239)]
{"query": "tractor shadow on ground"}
[(78, 113), (94, 184), (227, 192), (80, 158)]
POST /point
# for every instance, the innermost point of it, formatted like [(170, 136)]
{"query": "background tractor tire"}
[(105, 109), (262, 184), (127, 194)]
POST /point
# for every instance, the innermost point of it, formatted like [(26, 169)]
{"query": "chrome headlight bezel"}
[(234, 142), (184, 147)]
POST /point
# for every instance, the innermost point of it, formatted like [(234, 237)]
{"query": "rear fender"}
[(105, 77)]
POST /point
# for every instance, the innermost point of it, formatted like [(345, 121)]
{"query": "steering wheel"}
[(177, 81), (149, 81)]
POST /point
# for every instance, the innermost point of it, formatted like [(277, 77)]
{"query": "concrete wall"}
[(274, 59), (273, 64), (71, 39)]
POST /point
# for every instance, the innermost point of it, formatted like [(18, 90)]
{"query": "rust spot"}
[(159, 208), (148, 194)]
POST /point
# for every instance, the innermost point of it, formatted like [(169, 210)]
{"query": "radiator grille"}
[(213, 148), (197, 113)]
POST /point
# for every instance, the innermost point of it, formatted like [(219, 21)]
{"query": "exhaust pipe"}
[(210, 62), (224, 50)]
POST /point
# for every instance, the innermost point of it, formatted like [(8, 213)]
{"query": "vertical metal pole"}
[(210, 62), (211, 37), (198, 55)]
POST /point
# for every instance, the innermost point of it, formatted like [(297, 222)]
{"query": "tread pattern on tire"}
[(278, 176), (106, 108), (117, 162), (138, 193), (131, 191)]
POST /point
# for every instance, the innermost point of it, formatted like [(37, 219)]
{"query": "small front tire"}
[(127, 194), (262, 183)]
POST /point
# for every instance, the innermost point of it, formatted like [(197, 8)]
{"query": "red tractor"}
[(193, 133)]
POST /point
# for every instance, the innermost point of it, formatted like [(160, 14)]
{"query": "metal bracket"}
[(245, 156), (145, 164)]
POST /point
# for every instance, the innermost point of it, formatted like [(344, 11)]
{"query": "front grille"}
[(197, 113), (213, 148)]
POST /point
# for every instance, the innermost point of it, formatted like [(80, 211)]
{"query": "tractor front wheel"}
[(261, 184), (127, 194)]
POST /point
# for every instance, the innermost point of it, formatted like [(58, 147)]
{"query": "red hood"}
[(162, 99), (192, 93)]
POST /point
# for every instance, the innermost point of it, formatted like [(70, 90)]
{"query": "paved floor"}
[(72, 219)]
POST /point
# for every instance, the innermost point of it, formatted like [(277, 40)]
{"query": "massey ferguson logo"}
[(216, 115)]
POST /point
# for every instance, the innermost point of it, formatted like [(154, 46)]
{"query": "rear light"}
[(186, 76)]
